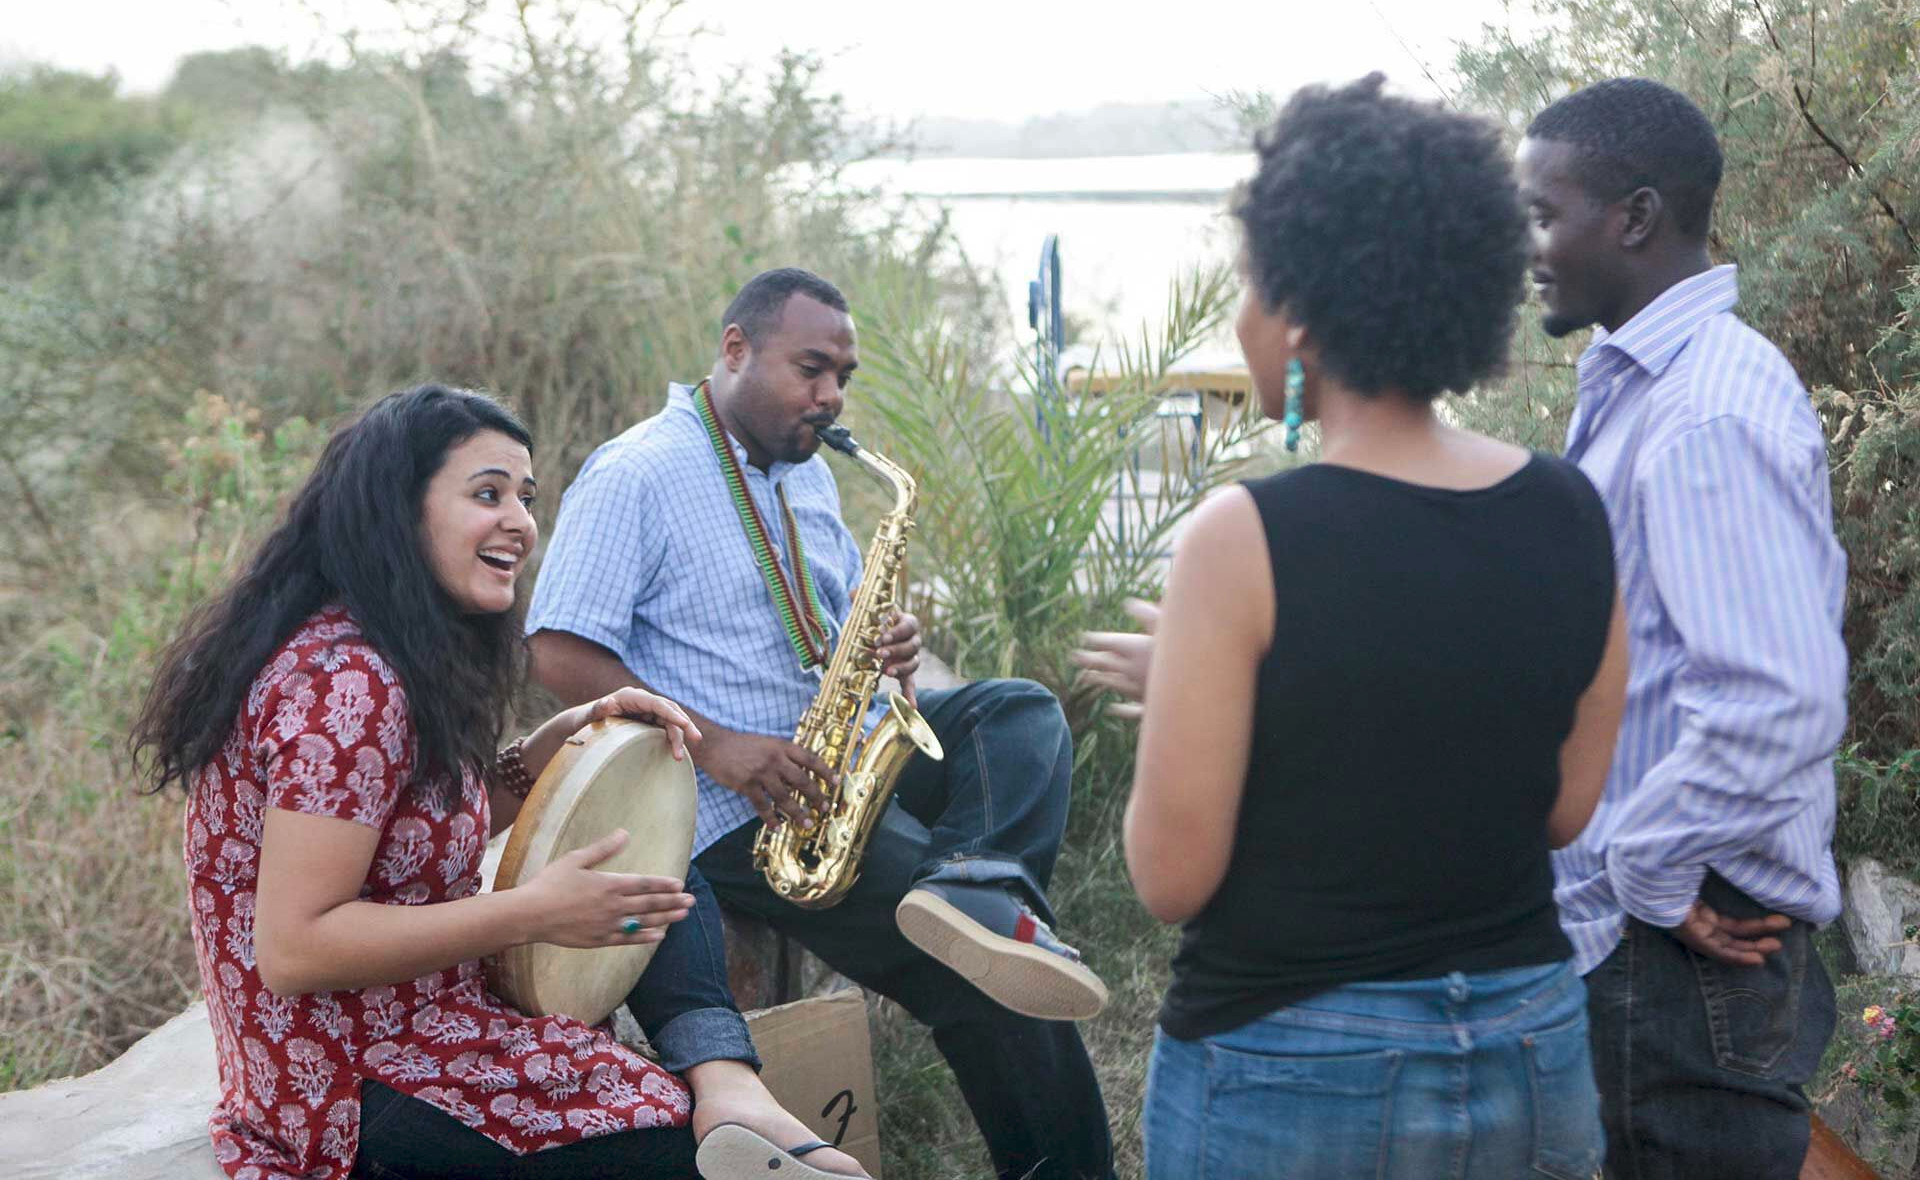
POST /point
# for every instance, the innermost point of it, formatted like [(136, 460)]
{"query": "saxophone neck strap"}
[(800, 611)]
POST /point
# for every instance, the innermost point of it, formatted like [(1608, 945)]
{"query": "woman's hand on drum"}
[(652, 708), (570, 903)]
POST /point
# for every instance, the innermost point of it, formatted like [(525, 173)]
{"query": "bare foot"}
[(731, 1092)]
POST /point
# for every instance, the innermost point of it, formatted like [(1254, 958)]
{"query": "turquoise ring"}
[(629, 925)]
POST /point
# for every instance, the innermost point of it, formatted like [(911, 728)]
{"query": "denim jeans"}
[(1484, 1076), (1701, 1065), (683, 1002), (994, 810)]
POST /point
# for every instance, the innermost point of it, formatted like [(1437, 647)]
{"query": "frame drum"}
[(615, 773)]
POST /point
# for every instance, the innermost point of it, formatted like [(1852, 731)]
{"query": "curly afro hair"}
[(1391, 230), (1630, 133)]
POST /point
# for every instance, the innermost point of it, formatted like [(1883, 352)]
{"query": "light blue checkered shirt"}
[(1714, 472), (648, 560)]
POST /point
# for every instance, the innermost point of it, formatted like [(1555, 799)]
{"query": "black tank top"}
[(1429, 649)]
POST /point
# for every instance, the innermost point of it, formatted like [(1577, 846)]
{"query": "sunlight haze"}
[(992, 59)]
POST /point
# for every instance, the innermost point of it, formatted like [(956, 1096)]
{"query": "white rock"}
[(143, 1117), (1879, 906), (935, 674)]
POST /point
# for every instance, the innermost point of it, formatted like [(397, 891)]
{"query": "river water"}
[(1127, 225)]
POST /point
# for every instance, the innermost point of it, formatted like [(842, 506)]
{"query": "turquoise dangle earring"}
[(1296, 386)]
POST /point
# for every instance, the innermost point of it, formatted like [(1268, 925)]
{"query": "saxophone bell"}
[(914, 727)]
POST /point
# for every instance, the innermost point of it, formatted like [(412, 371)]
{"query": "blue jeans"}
[(1485, 1076), (684, 1003), (994, 810), (1703, 1066)]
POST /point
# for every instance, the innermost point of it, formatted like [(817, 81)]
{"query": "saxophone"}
[(814, 869)]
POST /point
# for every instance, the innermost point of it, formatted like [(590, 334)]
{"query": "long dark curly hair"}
[(351, 536)]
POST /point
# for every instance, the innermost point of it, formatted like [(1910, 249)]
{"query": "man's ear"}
[(735, 348), (1642, 210)]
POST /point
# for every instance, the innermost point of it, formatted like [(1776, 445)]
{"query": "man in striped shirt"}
[(1692, 895)]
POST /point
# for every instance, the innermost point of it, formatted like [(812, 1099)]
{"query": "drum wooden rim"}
[(514, 973)]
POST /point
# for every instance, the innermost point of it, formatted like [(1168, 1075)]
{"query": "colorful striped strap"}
[(806, 628)]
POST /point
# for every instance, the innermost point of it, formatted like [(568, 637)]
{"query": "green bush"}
[(62, 131)]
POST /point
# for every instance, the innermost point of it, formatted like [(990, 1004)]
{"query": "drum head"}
[(612, 774)]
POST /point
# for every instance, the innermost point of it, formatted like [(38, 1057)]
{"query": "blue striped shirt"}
[(648, 559), (1714, 472)]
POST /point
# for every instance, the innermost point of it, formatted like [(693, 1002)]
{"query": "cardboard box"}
[(817, 1059)]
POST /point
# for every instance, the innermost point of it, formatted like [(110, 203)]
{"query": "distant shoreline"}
[(1181, 196), (1186, 178)]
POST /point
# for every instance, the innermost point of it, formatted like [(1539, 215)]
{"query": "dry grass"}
[(925, 1130), (94, 950)]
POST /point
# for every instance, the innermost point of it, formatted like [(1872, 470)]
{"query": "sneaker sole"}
[(1016, 975), (732, 1152)]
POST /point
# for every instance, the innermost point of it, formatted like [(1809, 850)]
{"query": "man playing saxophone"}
[(702, 553)]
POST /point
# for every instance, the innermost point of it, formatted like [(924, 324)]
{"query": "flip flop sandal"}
[(733, 1152)]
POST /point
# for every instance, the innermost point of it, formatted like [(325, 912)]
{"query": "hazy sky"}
[(1000, 59)]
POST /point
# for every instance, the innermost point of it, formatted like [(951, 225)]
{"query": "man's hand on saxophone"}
[(768, 771), (775, 775)]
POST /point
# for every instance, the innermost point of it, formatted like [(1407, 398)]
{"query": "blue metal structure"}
[(1048, 323)]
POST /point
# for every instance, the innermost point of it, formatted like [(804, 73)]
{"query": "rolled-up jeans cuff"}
[(703, 1035), (988, 870)]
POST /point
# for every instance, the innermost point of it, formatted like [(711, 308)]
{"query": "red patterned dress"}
[(325, 730)]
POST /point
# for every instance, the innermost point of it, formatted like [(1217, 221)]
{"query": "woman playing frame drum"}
[(333, 718)]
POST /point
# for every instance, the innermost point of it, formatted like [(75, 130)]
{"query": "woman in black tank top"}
[(1382, 687)]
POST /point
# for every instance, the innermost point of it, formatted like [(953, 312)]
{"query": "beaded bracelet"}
[(510, 771)]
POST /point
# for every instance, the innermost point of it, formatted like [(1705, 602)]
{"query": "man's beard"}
[(1557, 325)]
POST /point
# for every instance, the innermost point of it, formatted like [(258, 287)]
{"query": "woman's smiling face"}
[(476, 521)]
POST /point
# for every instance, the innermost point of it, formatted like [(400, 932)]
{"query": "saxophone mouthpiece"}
[(838, 437)]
